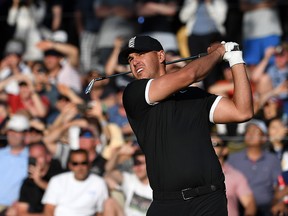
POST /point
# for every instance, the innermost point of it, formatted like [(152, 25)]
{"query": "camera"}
[(32, 161)]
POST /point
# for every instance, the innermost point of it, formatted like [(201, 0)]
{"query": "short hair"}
[(77, 151), (40, 144)]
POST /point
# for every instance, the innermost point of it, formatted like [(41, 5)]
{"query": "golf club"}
[(91, 83)]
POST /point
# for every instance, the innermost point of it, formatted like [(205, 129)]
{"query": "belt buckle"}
[(183, 195)]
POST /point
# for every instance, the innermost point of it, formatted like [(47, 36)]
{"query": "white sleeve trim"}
[(147, 93), (213, 107)]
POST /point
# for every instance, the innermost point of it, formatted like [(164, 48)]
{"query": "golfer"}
[(171, 120)]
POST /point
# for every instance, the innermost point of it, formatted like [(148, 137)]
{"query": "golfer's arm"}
[(240, 107), (195, 71)]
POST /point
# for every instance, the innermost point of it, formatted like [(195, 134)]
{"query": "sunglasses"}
[(79, 163)]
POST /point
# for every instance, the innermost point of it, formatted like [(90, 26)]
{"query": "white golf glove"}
[(233, 54)]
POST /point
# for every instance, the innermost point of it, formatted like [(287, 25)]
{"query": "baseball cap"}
[(52, 52), (259, 123), (14, 46), (18, 123), (87, 133), (139, 44)]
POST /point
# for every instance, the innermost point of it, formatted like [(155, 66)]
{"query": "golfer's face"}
[(144, 65)]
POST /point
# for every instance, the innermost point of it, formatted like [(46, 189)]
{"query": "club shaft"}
[(167, 63), (90, 85)]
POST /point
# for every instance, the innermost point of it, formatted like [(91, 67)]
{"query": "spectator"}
[(41, 168), (256, 36), (268, 76), (88, 138), (26, 17), (13, 161), (118, 21), (237, 186), (53, 17), (88, 26), (61, 60), (77, 192), (13, 64), (260, 167), (135, 186), (117, 114), (36, 132), (204, 25), (156, 19)]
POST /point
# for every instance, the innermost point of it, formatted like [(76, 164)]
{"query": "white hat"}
[(14, 46), (259, 123), (59, 36), (18, 123)]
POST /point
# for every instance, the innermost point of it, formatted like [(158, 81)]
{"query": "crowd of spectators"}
[(64, 152)]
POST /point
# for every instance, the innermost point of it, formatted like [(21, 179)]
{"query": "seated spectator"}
[(237, 187), (135, 186), (41, 169), (277, 134), (13, 161), (27, 99), (77, 192), (260, 167)]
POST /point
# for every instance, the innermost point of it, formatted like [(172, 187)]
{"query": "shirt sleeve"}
[(134, 99), (52, 193)]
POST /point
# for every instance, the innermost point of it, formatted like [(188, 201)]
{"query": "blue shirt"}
[(261, 174), (13, 170)]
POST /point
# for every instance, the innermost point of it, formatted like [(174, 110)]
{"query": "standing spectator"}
[(135, 186), (77, 192), (204, 25), (61, 61), (118, 21), (53, 17), (28, 99), (13, 64), (260, 167), (88, 25), (277, 140), (156, 19), (26, 17), (13, 161), (237, 186), (257, 15), (41, 168)]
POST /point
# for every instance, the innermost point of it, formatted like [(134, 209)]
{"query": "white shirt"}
[(138, 195), (73, 198)]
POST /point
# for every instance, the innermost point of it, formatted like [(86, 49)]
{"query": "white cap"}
[(259, 123), (18, 123), (59, 36)]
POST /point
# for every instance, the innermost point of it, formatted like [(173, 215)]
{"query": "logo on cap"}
[(131, 43)]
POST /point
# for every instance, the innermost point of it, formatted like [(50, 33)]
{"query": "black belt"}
[(187, 193)]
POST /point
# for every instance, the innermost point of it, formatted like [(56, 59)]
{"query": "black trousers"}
[(212, 204)]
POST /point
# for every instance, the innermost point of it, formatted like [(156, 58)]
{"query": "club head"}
[(89, 87)]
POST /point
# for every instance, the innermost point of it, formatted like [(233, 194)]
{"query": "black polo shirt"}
[(175, 136)]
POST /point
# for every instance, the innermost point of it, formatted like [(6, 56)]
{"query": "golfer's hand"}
[(233, 54)]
